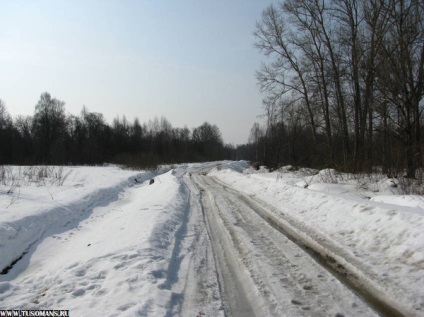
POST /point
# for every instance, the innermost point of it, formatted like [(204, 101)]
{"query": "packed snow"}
[(103, 241)]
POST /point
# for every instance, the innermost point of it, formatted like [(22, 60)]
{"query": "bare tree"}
[(317, 16), (256, 134), (286, 73), (6, 132), (208, 140), (401, 77), (349, 17), (5, 119), (376, 22), (49, 126)]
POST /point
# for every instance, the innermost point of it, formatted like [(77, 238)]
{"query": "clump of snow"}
[(263, 169), (308, 171), (301, 184), (237, 166), (287, 169), (259, 170)]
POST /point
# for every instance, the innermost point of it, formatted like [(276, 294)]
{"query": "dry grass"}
[(21, 176)]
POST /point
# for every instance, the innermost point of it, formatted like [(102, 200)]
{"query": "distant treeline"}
[(51, 136)]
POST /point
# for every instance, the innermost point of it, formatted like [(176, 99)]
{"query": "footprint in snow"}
[(79, 292), (93, 286), (99, 275), (73, 265), (121, 266), (4, 286), (80, 272), (126, 306)]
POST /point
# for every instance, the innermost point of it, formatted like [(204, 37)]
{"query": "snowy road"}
[(261, 271), (187, 245)]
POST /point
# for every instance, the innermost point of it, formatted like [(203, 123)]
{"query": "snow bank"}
[(31, 211), (385, 238), (122, 260)]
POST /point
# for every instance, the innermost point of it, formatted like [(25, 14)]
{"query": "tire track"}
[(335, 260), (237, 296), (288, 280)]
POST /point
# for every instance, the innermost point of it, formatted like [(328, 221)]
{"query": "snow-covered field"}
[(105, 242)]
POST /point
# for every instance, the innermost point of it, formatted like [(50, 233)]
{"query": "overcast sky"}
[(187, 60)]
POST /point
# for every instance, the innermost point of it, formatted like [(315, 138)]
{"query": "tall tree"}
[(49, 126), (273, 38), (23, 149), (401, 80), (6, 134), (208, 141)]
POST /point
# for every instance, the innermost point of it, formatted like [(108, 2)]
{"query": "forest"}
[(51, 136), (343, 85)]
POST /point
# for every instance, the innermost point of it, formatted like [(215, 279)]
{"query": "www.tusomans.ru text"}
[(31, 313)]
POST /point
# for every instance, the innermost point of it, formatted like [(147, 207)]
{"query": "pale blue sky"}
[(190, 61)]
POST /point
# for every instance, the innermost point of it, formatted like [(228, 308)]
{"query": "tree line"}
[(343, 85), (51, 136)]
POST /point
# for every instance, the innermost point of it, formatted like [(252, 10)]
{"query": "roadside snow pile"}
[(121, 260), (381, 231), (238, 166), (31, 208)]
